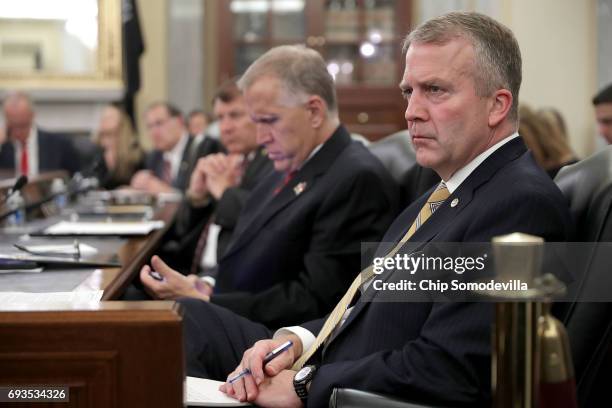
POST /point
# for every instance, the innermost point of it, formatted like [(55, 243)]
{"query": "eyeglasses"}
[(158, 123)]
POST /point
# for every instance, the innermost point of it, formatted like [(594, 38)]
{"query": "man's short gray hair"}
[(17, 96), (497, 53), (302, 71)]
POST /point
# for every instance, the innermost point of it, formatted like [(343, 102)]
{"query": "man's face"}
[(603, 114), (197, 124), (18, 117), (447, 121), (283, 125), (164, 130), (237, 129)]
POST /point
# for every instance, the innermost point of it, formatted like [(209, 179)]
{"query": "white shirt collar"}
[(311, 155), (460, 175), (175, 155)]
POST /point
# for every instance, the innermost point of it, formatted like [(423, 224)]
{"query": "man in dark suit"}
[(28, 149), (169, 165), (219, 187), (461, 83), (297, 243)]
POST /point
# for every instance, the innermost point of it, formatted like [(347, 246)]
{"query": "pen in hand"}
[(156, 275), (269, 357)]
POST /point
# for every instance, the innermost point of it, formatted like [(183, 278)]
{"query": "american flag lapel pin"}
[(299, 188)]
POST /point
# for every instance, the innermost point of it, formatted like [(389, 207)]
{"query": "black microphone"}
[(19, 183)]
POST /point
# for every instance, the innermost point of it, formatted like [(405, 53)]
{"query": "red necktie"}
[(288, 177), (167, 171), (201, 246), (24, 159)]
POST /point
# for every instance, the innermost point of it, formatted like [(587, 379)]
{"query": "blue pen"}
[(269, 357)]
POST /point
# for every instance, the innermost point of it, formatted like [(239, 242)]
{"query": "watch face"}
[(303, 373)]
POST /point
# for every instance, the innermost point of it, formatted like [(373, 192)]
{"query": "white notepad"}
[(103, 228), (205, 393)]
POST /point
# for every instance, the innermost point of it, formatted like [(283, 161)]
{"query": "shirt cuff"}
[(306, 336), (209, 279)]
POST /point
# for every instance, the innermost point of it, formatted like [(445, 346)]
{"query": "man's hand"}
[(278, 392), (145, 180), (173, 285), (198, 190), (246, 388), (222, 172)]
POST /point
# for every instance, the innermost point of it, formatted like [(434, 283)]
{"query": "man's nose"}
[(415, 109), (225, 126), (262, 133)]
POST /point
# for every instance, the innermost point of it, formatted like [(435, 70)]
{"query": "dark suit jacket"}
[(233, 200), (154, 161), (293, 254), (190, 221), (440, 352), (55, 152)]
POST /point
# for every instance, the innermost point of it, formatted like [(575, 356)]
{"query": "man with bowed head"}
[(297, 242)]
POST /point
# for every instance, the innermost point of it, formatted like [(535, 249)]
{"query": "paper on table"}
[(31, 270), (27, 300), (67, 249), (205, 393), (103, 228)]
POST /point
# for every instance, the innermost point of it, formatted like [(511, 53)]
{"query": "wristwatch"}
[(302, 379)]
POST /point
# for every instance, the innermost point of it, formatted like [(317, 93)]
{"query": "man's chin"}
[(281, 165)]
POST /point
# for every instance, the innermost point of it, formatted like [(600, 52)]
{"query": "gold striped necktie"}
[(435, 200)]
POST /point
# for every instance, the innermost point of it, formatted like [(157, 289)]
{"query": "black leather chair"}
[(588, 187), (349, 398)]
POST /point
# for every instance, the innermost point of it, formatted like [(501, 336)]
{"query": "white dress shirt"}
[(175, 155)]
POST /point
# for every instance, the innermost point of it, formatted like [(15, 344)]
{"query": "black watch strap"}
[(301, 381)]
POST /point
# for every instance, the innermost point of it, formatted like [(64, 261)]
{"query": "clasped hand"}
[(214, 174)]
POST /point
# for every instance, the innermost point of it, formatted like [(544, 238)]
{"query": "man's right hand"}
[(246, 388), (197, 189)]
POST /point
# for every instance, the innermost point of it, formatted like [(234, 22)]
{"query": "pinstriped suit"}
[(435, 352), (440, 352)]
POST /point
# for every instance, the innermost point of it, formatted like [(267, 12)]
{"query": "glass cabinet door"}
[(359, 39), (261, 24)]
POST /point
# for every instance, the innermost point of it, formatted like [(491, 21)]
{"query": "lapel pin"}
[(299, 188), (454, 202)]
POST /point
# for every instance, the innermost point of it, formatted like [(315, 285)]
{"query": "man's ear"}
[(317, 108), (500, 107)]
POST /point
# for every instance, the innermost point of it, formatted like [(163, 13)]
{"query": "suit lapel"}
[(299, 186), (43, 153), (445, 214), (7, 156)]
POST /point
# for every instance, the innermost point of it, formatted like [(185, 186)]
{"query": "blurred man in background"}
[(29, 150), (603, 113)]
